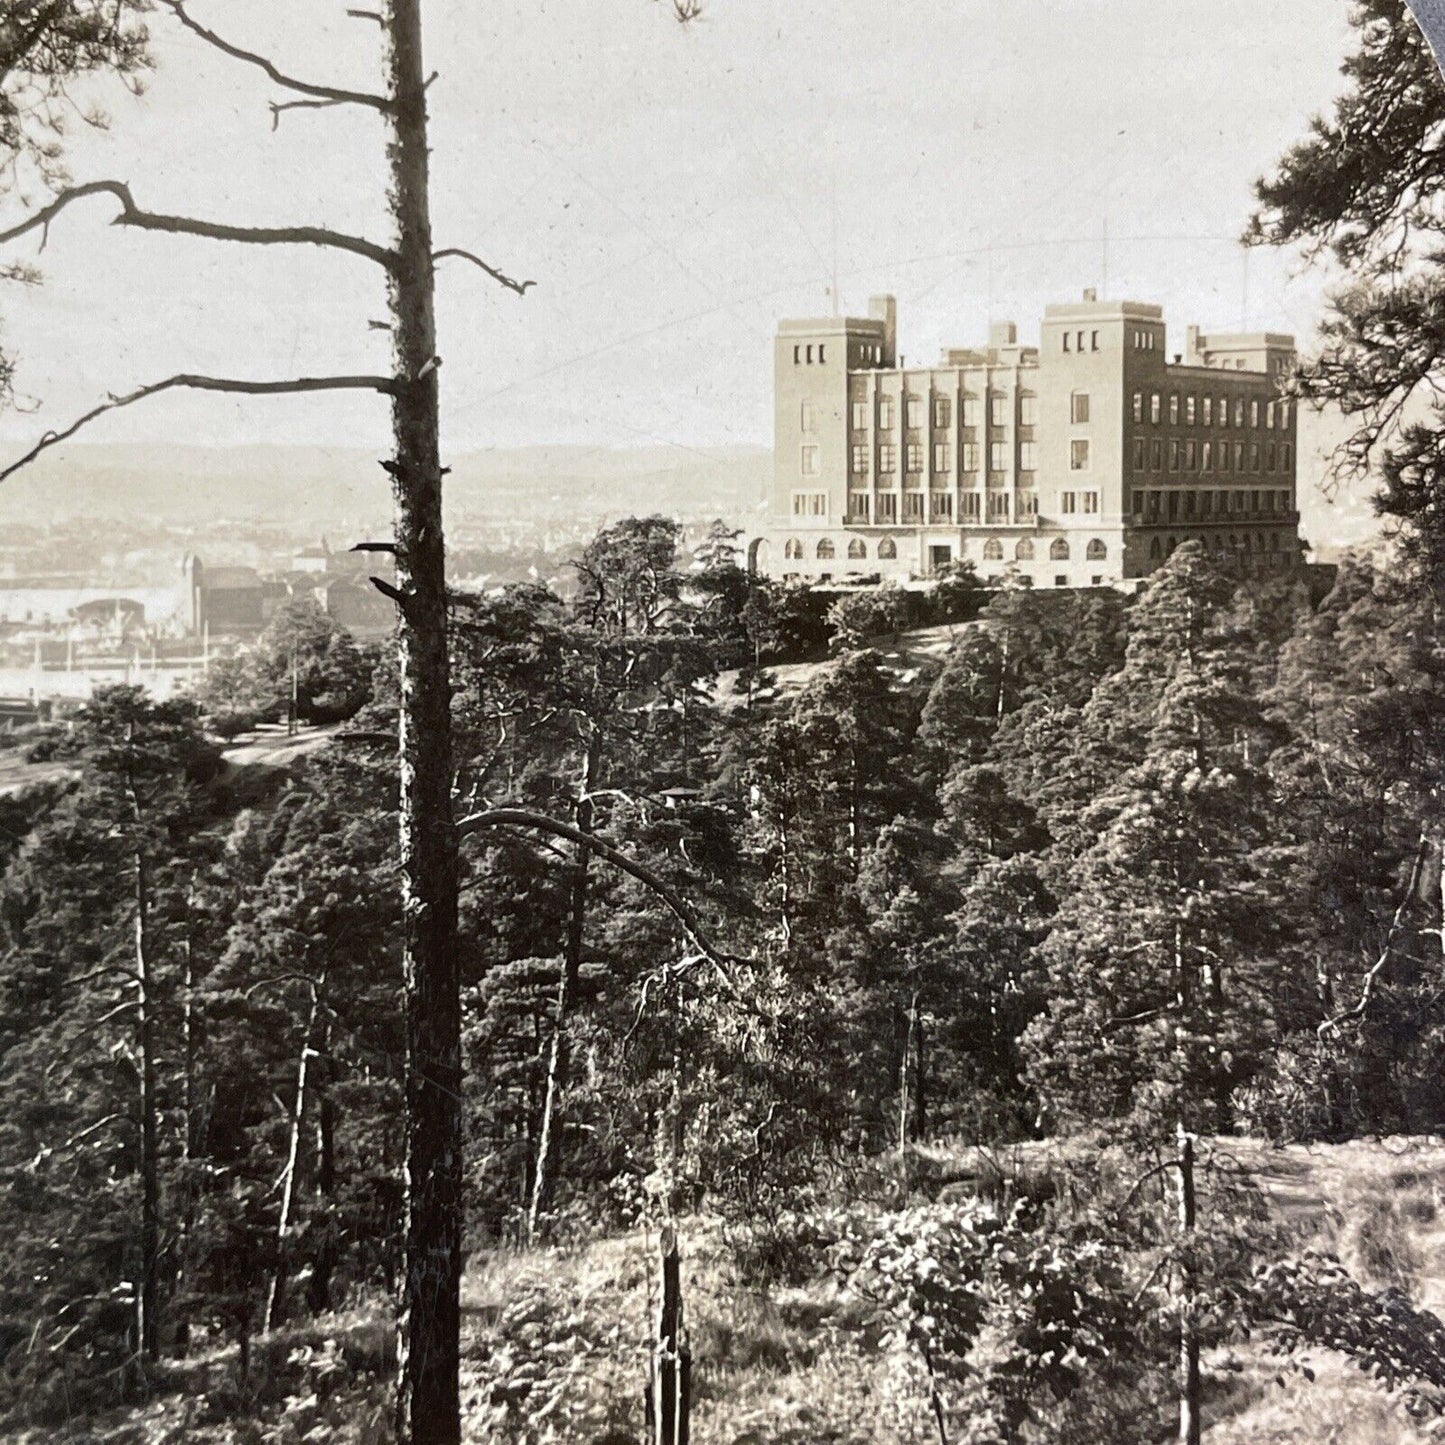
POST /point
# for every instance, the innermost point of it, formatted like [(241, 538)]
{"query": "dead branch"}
[(132, 215), (676, 904), (278, 106), (289, 82), (520, 287), (298, 386), (1372, 975)]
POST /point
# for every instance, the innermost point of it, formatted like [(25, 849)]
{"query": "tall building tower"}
[(1080, 462)]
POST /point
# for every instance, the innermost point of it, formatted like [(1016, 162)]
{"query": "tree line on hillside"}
[(1163, 867)]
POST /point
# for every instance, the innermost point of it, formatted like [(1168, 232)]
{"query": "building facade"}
[(1081, 462)]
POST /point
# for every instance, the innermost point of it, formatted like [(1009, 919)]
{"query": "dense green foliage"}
[(1115, 863)]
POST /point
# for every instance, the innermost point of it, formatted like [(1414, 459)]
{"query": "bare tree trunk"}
[(276, 1298), (1190, 1426), (669, 1399), (428, 1407), (558, 1060), (150, 1228)]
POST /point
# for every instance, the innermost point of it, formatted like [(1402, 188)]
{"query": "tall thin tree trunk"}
[(150, 1227), (1190, 1426), (276, 1298), (428, 1406), (567, 984)]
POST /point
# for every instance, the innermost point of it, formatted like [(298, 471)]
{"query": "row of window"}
[(1145, 340), (803, 355), (1200, 411), (1171, 504), (1191, 456), (997, 506), (914, 412), (1077, 339), (968, 457), (1024, 550)]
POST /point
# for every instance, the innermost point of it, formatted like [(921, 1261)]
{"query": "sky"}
[(673, 191)]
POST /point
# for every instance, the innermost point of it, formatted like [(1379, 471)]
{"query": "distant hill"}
[(321, 487), (318, 486)]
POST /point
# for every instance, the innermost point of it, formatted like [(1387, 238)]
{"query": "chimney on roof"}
[(1091, 293), (885, 309), (1003, 333)]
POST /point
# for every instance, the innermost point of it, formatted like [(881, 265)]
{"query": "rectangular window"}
[(913, 506), (860, 459), (1068, 503), (1254, 413), (1138, 402), (1066, 341), (860, 416), (1154, 499), (968, 456), (1173, 505), (970, 411), (968, 506), (1156, 455), (1191, 455), (885, 413), (998, 456), (1028, 456), (913, 411), (1239, 456), (1254, 501), (1079, 408), (1190, 502), (1028, 409), (1028, 504), (1093, 341), (822, 353), (915, 456), (998, 409), (1189, 410), (1154, 408), (1283, 501), (1206, 503), (1224, 456), (1239, 411), (941, 507), (1090, 502), (1270, 456), (857, 506), (887, 507), (1224, 411), (1079, 456), (1080, 340), (1173, 408), (887, 457), (805, 418), (809, 462), (1208, 411), (1269, 416), (1173, 456), (1254, 456), (998, 506), (942, 412), (1285, 457), (1138, 504), (1138, 454), (940, 456), (797, 355), (1206, 457)]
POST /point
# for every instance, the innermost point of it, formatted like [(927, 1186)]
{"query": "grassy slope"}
[(558, 1338)]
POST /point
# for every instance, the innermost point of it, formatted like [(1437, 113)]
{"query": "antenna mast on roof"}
[(835, 234)]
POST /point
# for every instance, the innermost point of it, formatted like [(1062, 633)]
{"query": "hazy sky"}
[(673, 191)]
